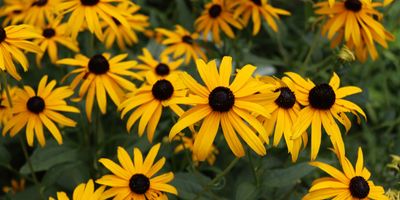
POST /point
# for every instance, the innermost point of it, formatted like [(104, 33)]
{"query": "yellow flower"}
[(54, 34), (89, 12), (135, 180), (101, 75), (13, 41), (181, 42), (323, 104), (149, 101), (285, 111), (16, 186), (126, 35), (5, 107), (161, 69), (40, 11), (352, 183), (35, 109), (354, 21), (188, 145), (225, 104), (257, 9), (217, 15), (84, 191), (14, 11)]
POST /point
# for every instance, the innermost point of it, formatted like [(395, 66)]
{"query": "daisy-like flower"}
[(136, 180), (87, 13), (39, 12), (13, 41), (84, 191), (181, 42), (323, 104), (126, 35), (101, 75), (188, 145), (353, 21), (54, 34), (223, 104), (161, 68), (5, 107), (13, 11), (257, 9), (285, 110), (352, 183), (149, 101), (35, 109), (217, 15)]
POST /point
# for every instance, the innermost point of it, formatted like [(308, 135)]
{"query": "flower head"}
[(84, 191), (38, 12), (13, 11)]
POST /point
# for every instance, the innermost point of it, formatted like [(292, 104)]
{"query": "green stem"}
[(253, 168), (190, 160), (217, 178), (313, 46)]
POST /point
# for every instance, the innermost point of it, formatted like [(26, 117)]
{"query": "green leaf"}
[(186, 18), (189, 185), (245, 191), (287, 176), (5, 156)]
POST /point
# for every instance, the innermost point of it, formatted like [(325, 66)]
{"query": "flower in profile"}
[(54, 34), (161, 68), (126, 35), (353, 21), (101, 75), (225, 104), (186, 143), (217, 15), (323, 104), (38, 12), (285, 111), (16, 186), (136, 180), (181, 42), (352, 183), (84, 191), (90, 12), (13, 11), (5, 107), (37, 109), (13, 41), (256, 9), (149, 102)]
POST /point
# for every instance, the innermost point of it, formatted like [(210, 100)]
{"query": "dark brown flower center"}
[(286, 99), (3, 34), (257, 2), (215, 10), (89, 2), (359, 187), (139, 184), (322, 97), (35, 104), (162, 69), (187, 39), (39, 3), (221, 99), (49, 32), (162, 90), (353, 5), (98, 64)]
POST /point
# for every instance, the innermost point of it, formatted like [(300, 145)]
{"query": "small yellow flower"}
[(84, 191)]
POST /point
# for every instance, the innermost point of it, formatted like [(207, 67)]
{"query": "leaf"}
[(186, 18), (245, 191), (4, 155), (287, 176), (189, 185), (54, 173)]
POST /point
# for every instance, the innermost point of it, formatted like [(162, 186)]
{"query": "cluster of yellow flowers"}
[(246, 107)]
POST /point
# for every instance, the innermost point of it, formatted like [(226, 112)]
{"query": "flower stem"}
[(253, 168)]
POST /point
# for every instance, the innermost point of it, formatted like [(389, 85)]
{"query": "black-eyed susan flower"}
[(285, 111), (217, 15), (37, 109), (84, 191), (136, 180), (54, 34), (13, 41), (87, 13), (5, 107), (323, 104), (126, 35), (149, 102), (258, 9), (101, 75), (225, 104), (161, 68), (38, 12), (186, 143), (181, 42), (351, 184), (353, 21), (13, 11)]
